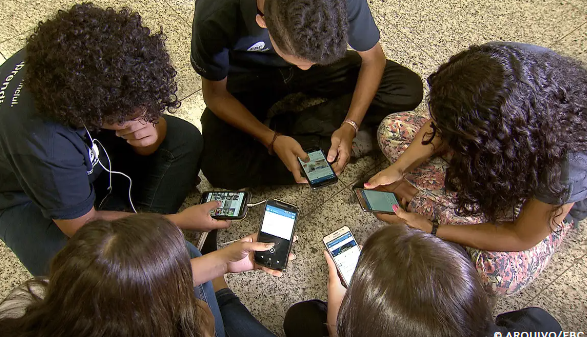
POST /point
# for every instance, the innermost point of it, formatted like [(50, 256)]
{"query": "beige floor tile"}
[(14, 44), (191, 109), (2, 59), (574, 45), (19, 16), (184, 8), (566, 298), (12, 272), (442, 28)]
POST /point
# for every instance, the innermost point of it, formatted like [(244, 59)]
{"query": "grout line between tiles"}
[(575, 261), (178, 14), (190, 95), (565, 36)]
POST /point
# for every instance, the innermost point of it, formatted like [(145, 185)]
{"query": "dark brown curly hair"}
[(511, 115), (315, 30), (91, 66)]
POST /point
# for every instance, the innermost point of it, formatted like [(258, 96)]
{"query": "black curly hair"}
[(511, 115), (90, 65), (315, 30)]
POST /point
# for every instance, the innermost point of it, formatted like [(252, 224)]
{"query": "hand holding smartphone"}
[(234, 204), (345, 252), (278, 227), (318, 170), (376, 201)]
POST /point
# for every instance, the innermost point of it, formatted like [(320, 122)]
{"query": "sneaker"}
[(362, 144)]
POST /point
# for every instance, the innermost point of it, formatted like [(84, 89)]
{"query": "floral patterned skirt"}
[(502, 273)]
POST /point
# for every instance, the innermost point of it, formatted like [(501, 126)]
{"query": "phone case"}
[(245, 208)]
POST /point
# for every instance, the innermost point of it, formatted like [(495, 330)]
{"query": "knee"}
[(183, 137), (305, 319), (411, 91)]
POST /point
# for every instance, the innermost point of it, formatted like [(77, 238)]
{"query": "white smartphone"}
[(345, 252)]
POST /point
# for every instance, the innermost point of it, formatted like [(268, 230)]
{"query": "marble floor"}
[(419, 34)]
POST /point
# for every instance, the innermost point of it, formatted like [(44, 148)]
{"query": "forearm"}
[(368, 82), (486, 236), (70, 227), (417, 153), (208, 267), (226, 107)]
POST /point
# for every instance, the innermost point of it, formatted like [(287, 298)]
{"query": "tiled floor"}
[(420, 34)]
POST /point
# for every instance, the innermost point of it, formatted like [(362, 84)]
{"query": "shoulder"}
[(215, 12)]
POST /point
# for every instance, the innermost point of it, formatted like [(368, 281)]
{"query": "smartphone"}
[(345, 252), (234, 204), (318, 170), (278, 227), (376, 201)]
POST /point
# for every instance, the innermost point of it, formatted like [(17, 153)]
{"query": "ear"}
[(260, 21)]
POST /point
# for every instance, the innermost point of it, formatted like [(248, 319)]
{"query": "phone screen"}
[(232, 203), (278, 225), (317, 169), (379, 201), (345, 253)]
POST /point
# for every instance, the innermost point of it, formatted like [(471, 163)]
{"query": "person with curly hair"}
[(84, 98), (250, 54), (499, 167)]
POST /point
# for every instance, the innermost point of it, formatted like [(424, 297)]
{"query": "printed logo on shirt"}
[(259, 46), (94, 154)]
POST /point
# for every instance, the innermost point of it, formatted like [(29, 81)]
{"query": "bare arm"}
[(413, 156), (370, 74), (229, 109), (417, 152), (69, 227), (372, 67), (196, 217), (531, 227)]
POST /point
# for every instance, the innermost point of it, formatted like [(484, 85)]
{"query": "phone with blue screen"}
[(376, 201), (278, 227), (345, 253), (318, 170)]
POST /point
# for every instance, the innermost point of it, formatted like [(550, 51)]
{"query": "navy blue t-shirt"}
[(226, 37), (41, 161)]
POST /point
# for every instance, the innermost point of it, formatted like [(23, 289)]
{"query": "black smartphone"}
[(278, 227), (318, 170), (234, 204), (376, 201)]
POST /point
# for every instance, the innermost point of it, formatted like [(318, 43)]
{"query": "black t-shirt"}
[(226, 37), (41, 161)]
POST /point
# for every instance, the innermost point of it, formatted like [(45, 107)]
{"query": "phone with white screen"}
[(376, 201), (345, 252), (278, 227), (234, 204), (318, 170)]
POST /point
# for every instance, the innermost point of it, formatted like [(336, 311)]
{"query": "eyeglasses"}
[(260, 13)]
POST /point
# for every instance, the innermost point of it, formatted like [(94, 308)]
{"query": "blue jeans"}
[(205, 292), (238, 321), (231, 317), (161, 182)]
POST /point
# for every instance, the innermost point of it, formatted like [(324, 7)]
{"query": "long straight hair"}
[(128, 277), (410, 283)]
